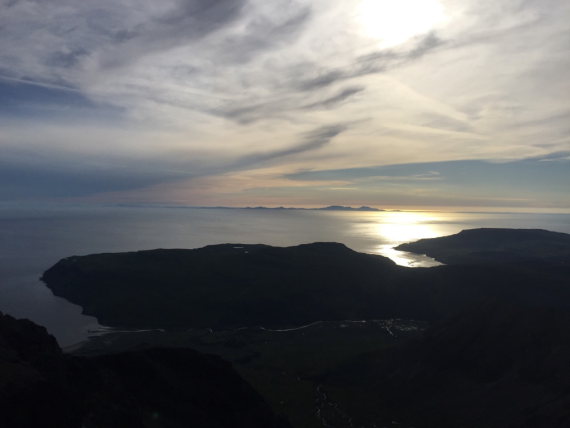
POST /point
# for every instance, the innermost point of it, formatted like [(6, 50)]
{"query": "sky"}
[(411, 104)]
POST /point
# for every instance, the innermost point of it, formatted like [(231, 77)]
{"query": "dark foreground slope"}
[(223, 286), (160, 388), (496, 246), (498, 365)]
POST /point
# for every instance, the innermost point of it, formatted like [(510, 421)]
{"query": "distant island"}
[(329, 208), (343, 208)]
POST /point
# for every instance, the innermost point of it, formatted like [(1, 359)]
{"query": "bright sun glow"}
[(393, 22), (394, 228), (400, 227)]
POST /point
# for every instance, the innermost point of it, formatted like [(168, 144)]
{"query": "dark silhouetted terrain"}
[(497, 365), (162, 388), (235, 285), (335, 338), (496, 246)]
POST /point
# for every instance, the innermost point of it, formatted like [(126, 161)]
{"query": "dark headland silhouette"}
[(495, 246), (235, 285), (333, 337)]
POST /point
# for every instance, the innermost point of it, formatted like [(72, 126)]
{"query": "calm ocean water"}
[(33, 240)]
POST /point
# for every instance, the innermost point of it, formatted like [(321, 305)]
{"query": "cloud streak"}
[(311, 141), (372, 63)]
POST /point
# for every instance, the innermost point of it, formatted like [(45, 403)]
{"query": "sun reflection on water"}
[(390, 229), (399, 227)]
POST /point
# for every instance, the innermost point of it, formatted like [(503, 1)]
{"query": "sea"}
[(34, 239)]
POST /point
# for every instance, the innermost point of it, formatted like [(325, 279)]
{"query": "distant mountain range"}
[(329, 208)]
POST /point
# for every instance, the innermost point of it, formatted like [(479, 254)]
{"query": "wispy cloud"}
[(312, 140), (372, 63), (191, 90), (334, 100)]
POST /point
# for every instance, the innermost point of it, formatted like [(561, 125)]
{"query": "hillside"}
[(497, 365), (160, 388), (496, 246)]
